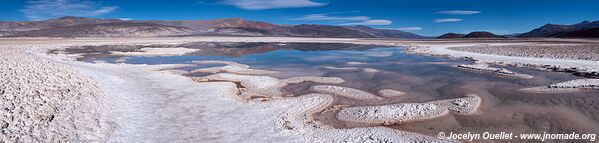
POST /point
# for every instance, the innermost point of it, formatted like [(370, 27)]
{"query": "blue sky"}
[(425, 17)]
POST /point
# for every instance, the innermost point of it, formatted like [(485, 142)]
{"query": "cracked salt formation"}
[(566, 87), (264, 86), (231, 67), (554, 51), (157, 52), (326, 80), (338, 68), (222, 62), (355, 63), (42, 100), (390, 93), (369, 70), (345, 92), (496, 71), (409, 112), (299, 120)]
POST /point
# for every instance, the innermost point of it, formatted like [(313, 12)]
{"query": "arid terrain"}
[(48, 95)]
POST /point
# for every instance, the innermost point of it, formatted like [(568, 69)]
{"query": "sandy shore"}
[(138, 103)]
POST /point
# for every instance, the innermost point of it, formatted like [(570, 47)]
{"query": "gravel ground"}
[(554, 51)]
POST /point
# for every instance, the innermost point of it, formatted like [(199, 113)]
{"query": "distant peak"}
[(361, 26), (585, 22), (232, 19), (70, 17), (480, 32)]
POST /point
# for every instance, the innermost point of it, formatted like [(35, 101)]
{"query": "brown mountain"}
[(451, 36), (51, 23), (554, 30), (116, 29), (311, 30), (217, 23), (482, 34), (84, 27), (386, 33)]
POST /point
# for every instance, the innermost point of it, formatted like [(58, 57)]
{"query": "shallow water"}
[(423, 78)]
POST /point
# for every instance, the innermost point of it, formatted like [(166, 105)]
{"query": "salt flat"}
[(139, 103)]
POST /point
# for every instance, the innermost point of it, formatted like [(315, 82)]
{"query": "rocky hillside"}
[(117, 29), (89, 27), (555, 30), (51, 23), (217, 23), (310, 30), (386, 33)]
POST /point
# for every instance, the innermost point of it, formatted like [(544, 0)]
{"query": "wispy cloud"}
[(458, 12), (271, 4), (344, 20), (447, 20), (45, 9), (370, 22), (344, 12), (406, 28)]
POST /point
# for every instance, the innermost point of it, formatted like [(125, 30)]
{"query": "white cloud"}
[(370, 22), (406, 28), (125, 19), (458, 12), (45, 9), (271, 4), (448, 20), (345, 20), (344, 12)]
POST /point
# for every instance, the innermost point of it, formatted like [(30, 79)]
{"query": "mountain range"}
[(585, 29), (555, 30), (91, 27)]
